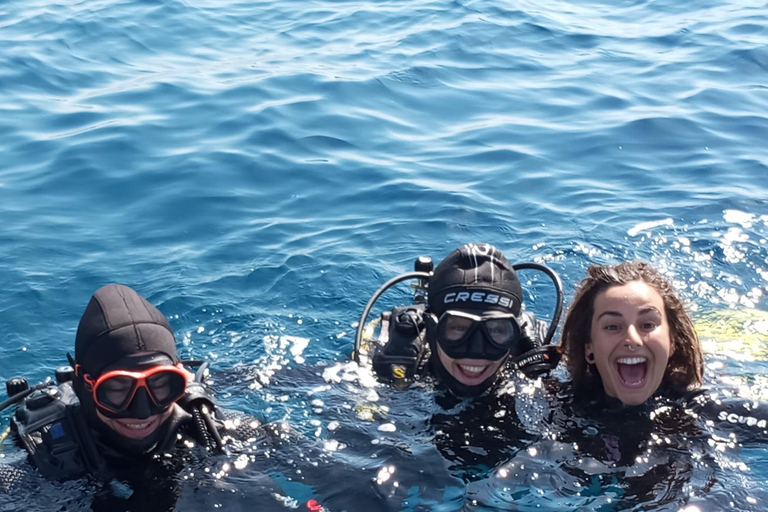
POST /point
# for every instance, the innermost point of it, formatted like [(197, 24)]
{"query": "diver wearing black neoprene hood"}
[(121, 330), (466, 325), (126, 399), (475, 279)]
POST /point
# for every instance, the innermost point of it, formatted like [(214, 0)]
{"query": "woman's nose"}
[(633, 339)]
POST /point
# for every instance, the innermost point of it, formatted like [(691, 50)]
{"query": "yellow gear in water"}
[(369, 411), (369, 331), (734, 331), (3, 435)]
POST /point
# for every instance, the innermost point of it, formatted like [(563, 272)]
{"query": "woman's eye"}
[(611, 327), (648, 326)]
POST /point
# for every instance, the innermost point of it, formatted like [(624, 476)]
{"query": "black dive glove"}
[(530, 356)]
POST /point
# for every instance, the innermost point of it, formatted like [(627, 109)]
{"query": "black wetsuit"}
[(477, 435), (149, 481), (603, 455)]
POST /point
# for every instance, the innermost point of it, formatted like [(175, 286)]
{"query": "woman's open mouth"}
[(632, 371), (472, 374)]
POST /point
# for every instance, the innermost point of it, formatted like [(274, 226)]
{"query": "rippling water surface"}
[(257, 169)]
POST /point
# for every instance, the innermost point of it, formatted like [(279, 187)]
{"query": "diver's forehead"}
[(632, 296), (139, 360)]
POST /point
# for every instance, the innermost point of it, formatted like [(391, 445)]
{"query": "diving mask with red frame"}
[(114, 390)]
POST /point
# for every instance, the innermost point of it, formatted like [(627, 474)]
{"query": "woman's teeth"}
[(631, 360), (472, 369), (632, 370)]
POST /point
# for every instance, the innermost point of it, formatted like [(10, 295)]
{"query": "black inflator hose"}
[(558, 312), (372, 301)]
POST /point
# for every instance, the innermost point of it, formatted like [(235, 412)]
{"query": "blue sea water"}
[(258, 169)]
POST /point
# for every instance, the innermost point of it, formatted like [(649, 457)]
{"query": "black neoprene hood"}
[(118, 322), (475, 276)]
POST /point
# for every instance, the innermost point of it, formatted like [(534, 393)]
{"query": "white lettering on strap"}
[(478, 296)]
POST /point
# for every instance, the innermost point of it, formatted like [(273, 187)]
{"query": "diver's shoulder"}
[(724, 404), (239, 426), (13, 476)]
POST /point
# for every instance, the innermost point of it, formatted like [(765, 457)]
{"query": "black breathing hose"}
[(558, 312), (200, 373), (18, 397), (212, 430), (372, 301), (202, 428)]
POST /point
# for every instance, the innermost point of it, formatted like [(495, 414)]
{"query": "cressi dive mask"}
[(463, 335)]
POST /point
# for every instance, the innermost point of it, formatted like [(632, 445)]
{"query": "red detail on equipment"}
[(314, 506)]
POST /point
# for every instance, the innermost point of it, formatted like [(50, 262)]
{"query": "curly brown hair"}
[(686, 364)]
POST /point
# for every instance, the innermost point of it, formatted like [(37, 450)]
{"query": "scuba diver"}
[(126, 413), (633, 428), (466, 325), (468, 330)]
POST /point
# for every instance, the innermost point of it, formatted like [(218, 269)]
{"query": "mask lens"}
[(452, 329), (115, 392), (502, 331), (166, 387)]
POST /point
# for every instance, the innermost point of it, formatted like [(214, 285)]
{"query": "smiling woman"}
[(629, 341), (628, 335), (628, 331), (634, 426)]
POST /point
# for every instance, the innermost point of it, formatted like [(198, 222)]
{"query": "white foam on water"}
[(647, 226)]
